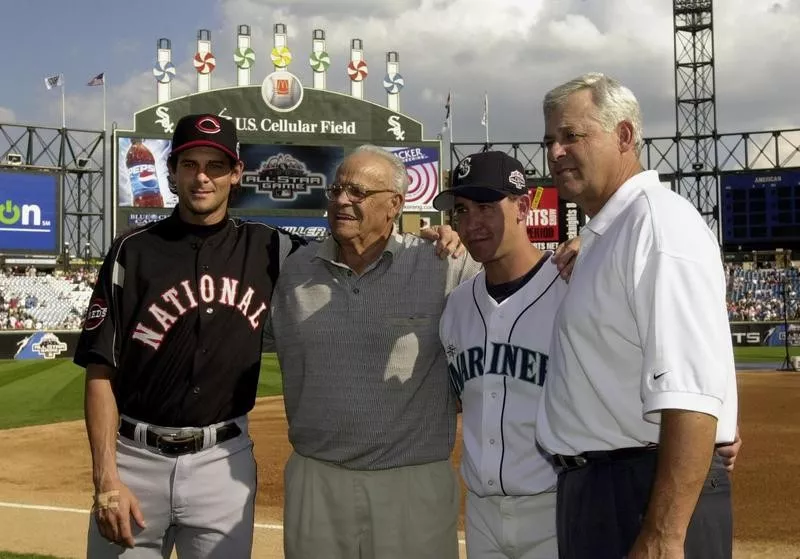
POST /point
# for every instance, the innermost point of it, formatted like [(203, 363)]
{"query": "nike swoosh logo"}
[(656, 377)]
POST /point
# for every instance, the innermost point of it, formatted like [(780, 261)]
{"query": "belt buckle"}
[(571, 461), (174, 445)]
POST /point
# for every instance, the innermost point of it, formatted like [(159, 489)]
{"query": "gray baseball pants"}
[(201, 504)]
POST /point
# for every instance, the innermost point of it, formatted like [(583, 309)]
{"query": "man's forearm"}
[(102, 420), (684, 457)]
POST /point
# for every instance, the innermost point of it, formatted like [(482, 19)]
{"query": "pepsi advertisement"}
[(142, 174), (275, 176), (29, 212)]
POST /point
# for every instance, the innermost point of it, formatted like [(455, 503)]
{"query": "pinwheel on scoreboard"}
[(393, 83), (281, 57), (357, 70), (422, 165), (163, 72), (244, 58), (204, 63), (319, 61)]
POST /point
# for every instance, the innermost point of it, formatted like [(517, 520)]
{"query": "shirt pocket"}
[(411, 321)]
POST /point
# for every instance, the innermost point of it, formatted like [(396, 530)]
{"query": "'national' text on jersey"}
[(503, 359), (179, 299)]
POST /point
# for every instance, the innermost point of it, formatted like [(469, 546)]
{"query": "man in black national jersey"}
[(172, 347)]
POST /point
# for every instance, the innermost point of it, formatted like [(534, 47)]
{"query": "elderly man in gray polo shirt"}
[(371, 414)]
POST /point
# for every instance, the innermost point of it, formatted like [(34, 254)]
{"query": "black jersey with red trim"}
[(178, 310)]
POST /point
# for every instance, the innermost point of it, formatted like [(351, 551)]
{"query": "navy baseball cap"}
[(488, 176), (205, 130)]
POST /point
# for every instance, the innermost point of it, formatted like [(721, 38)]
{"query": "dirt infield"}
[(48, 467)]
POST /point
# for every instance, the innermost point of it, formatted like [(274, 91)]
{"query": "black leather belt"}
[(175, 445), (595, 456)]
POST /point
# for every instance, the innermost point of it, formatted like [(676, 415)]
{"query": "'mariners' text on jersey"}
[(503, 359)]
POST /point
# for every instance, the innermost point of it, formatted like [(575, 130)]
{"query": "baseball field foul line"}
[(86, 511)]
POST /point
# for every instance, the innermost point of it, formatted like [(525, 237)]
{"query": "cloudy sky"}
[(514, 50)]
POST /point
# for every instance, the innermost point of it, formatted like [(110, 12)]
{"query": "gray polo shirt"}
[(365, 378)]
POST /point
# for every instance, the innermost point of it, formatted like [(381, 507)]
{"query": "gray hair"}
[(615, 102), (400, 178)]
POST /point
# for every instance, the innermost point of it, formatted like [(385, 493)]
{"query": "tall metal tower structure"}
[(77, 158), (696, 171)]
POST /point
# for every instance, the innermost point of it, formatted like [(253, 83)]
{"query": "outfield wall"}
[(27, 344), (772, 334), (22, 344)]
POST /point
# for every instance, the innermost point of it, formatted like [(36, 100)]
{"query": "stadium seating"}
[(59, 300), (49, 301), (757, 294)]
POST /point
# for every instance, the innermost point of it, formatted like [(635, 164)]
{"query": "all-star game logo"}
[(283, 177), (49, 346)]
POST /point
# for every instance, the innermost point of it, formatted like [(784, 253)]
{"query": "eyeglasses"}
[(354, 192)]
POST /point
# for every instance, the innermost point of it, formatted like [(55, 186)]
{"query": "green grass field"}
[(762, 354), (48, 391), (40, 392)]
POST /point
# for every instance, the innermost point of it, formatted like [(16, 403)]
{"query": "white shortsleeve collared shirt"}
[(643, 328)]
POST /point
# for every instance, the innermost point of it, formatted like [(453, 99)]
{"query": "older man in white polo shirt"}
[(642, 382)]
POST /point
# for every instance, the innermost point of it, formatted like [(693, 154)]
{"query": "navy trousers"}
[(600, 508)]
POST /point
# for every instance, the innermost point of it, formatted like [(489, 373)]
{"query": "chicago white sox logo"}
[(464, 167)]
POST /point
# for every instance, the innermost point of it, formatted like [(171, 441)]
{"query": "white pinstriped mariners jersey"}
[(497, 357)]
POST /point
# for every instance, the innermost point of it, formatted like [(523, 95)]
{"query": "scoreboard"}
[(761, 210)]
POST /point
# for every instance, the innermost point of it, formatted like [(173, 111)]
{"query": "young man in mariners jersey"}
[(496, 331), (172, 347)]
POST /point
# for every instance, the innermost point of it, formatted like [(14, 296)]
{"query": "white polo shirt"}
[(643, 327)]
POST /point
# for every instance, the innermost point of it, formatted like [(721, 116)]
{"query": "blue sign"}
[(761, 209), (776, 336), (40, 345), (29, 212), (311, 228)]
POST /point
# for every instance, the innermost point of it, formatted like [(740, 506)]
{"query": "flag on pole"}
[(485, 117), (448, 117), (99, 79), (54, 81)]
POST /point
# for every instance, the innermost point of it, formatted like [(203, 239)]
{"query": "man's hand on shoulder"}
[(565, 256), (448, 243)]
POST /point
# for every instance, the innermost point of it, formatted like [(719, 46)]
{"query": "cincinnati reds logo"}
[(95, 314), (208, 125)]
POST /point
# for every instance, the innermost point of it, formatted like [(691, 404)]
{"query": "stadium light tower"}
[(695, 107)]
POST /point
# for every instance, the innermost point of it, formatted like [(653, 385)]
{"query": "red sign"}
[(543, 217), (282, 86)]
